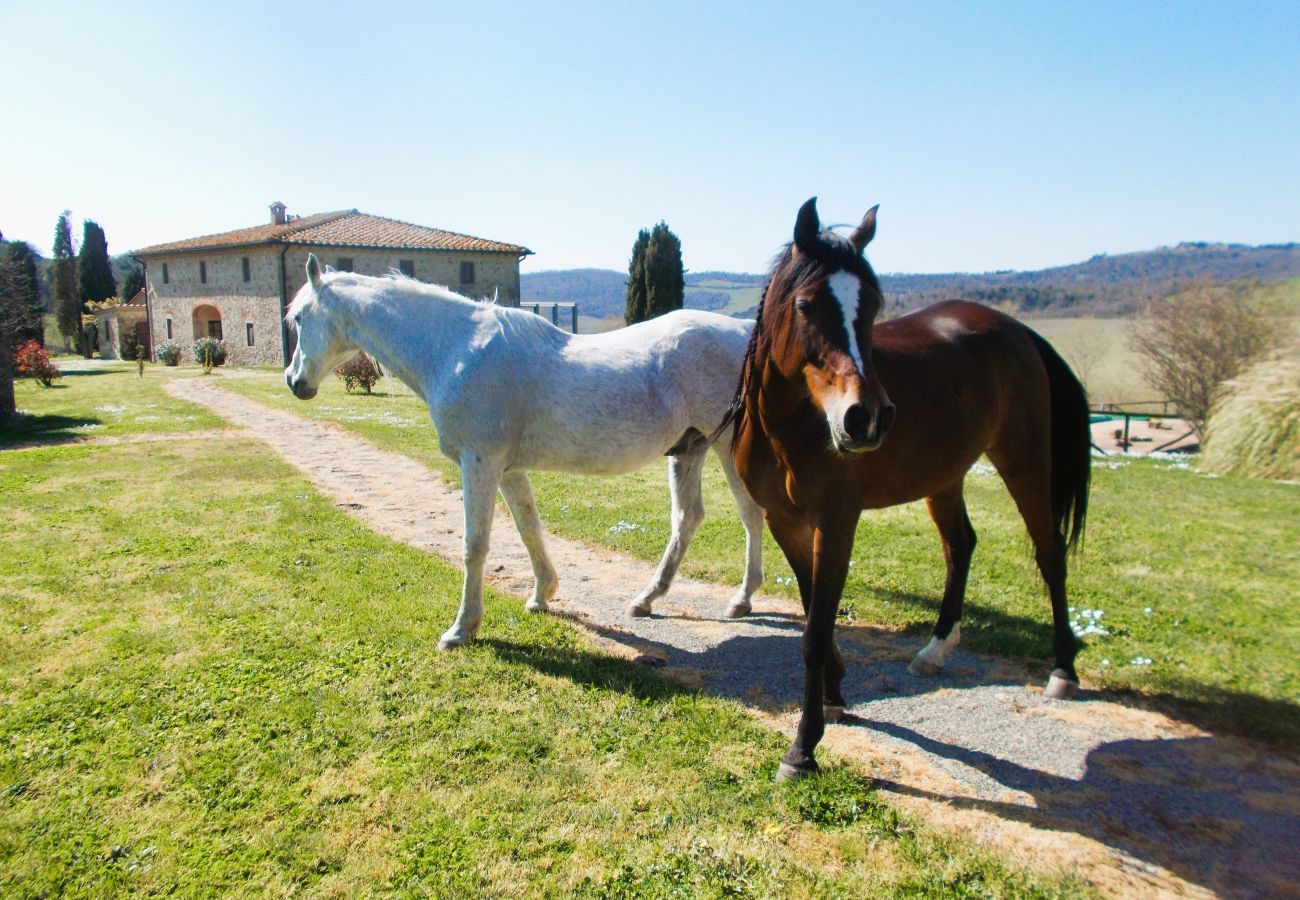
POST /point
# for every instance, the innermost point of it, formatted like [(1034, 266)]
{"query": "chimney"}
[(277, 213)]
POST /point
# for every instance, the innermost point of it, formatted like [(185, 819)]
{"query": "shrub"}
[(130, 346), (169, 354), (359, 371), (1192, 342), (33, 361), (1255, 429), (201, 351)]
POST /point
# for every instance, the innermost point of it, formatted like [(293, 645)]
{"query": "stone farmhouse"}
[(236, 285)]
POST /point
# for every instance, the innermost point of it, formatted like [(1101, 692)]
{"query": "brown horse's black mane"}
[(830, 253)]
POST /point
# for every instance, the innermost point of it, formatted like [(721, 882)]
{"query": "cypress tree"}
[(665, 277), (95, 279), (63, 283), (637, 308)]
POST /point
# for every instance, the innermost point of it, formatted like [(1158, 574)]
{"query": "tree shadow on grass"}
[(52, 430)]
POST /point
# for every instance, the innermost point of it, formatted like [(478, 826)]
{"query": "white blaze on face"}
[(847, 290)]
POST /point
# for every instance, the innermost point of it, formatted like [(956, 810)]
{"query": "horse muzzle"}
[(300, 388), (863, 429)]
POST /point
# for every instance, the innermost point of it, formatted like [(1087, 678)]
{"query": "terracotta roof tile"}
[(346, 228)]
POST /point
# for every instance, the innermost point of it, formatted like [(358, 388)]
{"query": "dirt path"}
[(1136, 802)]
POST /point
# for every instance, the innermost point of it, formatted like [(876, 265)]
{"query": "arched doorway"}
[(207, 322)]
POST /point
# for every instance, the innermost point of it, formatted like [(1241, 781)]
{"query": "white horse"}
[(509, 392)]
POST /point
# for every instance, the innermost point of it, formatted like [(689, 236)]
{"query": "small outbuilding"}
[(121, 329)]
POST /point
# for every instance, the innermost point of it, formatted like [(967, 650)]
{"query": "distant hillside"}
[(1103, 285)]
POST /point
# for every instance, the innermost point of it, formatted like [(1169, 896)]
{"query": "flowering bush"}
[(359, 371), (33, 360), (169, 354), (201, 352)]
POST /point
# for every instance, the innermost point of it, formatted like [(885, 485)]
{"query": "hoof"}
[(832, 714), (451, 644), (1061, 687), (536, 606), (787, 772), (638, 612), (739, 610), (923, 668)]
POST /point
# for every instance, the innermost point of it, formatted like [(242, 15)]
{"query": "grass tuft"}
[(1255, 430)]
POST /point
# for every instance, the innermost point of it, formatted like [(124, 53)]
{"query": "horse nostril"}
[(884, 419), (856, 421)]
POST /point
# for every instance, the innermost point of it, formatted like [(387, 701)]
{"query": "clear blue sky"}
[(993, 135)]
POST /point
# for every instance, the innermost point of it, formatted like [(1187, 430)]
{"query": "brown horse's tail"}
[(1071, 445)]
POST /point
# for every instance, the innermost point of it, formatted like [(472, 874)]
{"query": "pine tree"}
[(95, 279), (8, 406), (637, 308), (665, 277), (63, 283), (132, 284), (23, 292)]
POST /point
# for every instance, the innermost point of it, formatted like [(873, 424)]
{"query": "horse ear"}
[(807, 226), (863, 234), (313, 271)]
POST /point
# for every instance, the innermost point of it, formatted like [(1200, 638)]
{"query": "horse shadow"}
[(1215, 811)]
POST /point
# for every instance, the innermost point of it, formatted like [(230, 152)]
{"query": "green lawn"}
[(216, 684), (1196, 574), (100, 400)]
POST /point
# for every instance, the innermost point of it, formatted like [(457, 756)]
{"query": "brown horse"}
[(834, 415)]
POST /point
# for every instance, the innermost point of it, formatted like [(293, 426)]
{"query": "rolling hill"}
[(1103, 285)]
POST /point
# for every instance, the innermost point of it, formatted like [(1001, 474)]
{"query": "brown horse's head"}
[(816, 321)]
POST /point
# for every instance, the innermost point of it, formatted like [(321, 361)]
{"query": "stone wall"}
[(188, 301)]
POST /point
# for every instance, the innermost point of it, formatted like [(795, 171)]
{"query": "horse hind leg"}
[(751, 518), (685, 471), (948, 510), (1030, 488), (518, 493)]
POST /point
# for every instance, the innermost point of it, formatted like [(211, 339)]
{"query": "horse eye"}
[(803, 304)]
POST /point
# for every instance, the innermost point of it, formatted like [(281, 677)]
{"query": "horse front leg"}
[(751, 518), (795, 539), (480, 478), (518, 492), (832, 546), (685, 471)]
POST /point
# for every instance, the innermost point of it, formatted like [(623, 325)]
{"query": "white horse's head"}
[(322, 344)]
